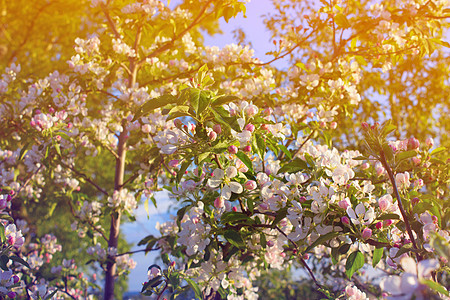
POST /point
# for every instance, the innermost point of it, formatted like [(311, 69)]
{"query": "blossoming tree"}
[(246, 149)]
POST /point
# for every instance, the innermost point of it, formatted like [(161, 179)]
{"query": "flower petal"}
[(235, 187), (231, 172)]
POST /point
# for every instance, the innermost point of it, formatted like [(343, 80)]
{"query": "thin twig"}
[(303, 144), (78, 173), (137, 251), (399, 201), (110, 22), (72, 211), (301, 258)]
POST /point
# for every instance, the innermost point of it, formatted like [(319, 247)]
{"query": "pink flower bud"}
[(333, 125), (323, 124), (302, 199), (414, 201), (58, 138), (430, 142), (15, 279), (305, 256), (130, 118), (234, 209), (379, 225), (250, 185), (172, 264), (247, 148), (219, 202), (343, 204), (69, 125), (375, 126), (12, 295), (345, 220), (270, 243), (33, 124), (265, 127), (51, 110), (212, 136), (387, 223), (267, 112), (250, 127), (146, 128), (11, 240), (174, 163), (366, 233), (310, 115), (233, 149), (365, 125), (413, 143), (416, 160), (379, 170), (217, 128), (365, 166)]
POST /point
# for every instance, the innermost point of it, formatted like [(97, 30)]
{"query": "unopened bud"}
[(233, 149), (219, 202), (430, 142), (414, 201), (250, 185), (333, 125), (247, 148), (270, 243), (365, 125), (379, 225), (416, 160), (343, 204), (413, 143), (387, 223), (345, 220), (302, 199), (366, 233), (217, 128), (212, 136), (250, 127)]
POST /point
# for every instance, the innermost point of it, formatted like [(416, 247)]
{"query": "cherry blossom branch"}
[(138, 251), (26, 182), (89, 222), (399, 201), (85, 177), (167, 45), (110, 21), (303, 144), (301, 258)]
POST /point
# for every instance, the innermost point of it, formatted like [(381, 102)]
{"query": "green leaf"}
[(322, 239), (285, 151), (281, 214), (438, 150), (178, 111), (153, 104), (231, 217), (221, 100), (183, 168), (261, 145), (194, 286), (294, 166), (24, 151), (245, 159), (435, 286), (355, 261), (341, 21), (2, 233), (234, 238), (377, 255), (3, 262), (405, 155), (388, 217), (199, 100)]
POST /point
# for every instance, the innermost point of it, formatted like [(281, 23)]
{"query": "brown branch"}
[(169, 44), (110, 21), (89, 222), (26, 182), (80, 174), (399, 201), (301, 258), (137, 251), (303, 144)]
